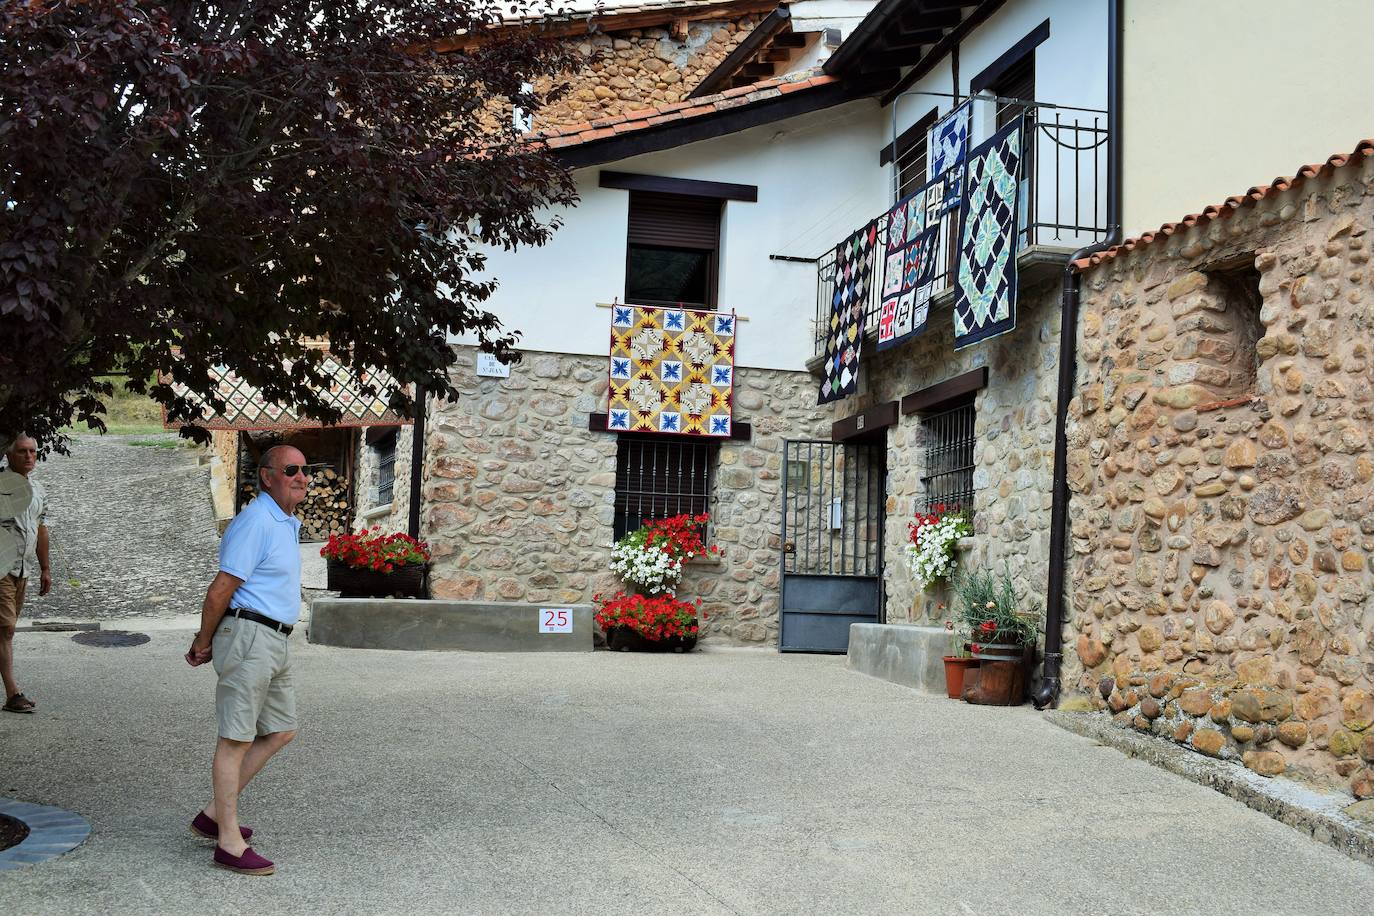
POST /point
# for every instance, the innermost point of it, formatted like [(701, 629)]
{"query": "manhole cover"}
[(105, 639)]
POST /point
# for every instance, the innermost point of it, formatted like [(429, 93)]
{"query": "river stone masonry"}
[(634, 69), (519, 495), (1223, 506)]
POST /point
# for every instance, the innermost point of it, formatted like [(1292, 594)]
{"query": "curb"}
[(1312, 812), (52, 832)]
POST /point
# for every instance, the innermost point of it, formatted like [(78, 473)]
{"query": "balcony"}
[(1062, 207)]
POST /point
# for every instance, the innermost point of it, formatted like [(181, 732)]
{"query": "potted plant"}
[(1003, 638), (930, 543), (650, 558), (648, 615), (371, 564), (647, 623), (958, 661)]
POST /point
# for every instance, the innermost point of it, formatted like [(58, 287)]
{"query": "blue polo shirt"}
[(261, 546)]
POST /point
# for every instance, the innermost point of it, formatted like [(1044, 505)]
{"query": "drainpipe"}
[(417, 460), (1047, 692)]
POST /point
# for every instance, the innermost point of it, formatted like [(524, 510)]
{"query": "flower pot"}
[(625, 639), (360, 582), (955, 668), (1001, 676)]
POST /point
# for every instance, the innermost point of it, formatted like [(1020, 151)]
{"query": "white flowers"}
[(931, 553), (650, 568)]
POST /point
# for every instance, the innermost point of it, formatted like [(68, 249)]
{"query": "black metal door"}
[(832, 541)]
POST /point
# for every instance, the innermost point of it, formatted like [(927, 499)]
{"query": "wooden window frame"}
[(660, 232)]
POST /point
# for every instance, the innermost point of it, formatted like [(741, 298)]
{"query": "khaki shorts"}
[(11, 599), (255, 695)]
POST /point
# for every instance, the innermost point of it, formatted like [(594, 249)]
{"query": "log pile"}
[(324, 511)]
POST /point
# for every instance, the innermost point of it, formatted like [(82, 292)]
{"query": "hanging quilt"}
[(911, 252), (672, 371), (904, 313), (948, 145), (985, 280), (845, 336)]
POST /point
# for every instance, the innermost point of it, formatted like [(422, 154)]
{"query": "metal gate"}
[(832, 541)]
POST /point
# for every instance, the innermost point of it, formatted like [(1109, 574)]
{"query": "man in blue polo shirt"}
[(249, 611)]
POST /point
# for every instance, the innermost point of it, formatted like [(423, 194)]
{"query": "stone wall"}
[(1014, 428), (519, 494), (1222, 511), (638, 68)]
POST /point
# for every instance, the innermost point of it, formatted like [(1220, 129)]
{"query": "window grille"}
[(386, 468), (658, 477), (949, 439)]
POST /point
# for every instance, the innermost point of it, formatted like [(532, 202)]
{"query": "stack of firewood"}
[(324, 511)]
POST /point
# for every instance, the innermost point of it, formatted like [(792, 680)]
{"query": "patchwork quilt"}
[(985, 280), (845, 335), (672, 371), (948, 145), (910, 255)]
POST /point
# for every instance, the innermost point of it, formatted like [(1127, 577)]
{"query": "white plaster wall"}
[(1227, 94), (1070, 70), (817, 181)]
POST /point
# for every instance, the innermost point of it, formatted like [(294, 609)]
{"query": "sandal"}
[(19, 703)]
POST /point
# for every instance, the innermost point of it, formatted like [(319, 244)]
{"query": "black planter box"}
[(355, 582), (624, 639)]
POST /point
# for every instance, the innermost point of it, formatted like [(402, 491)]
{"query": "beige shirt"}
[(24, 527)]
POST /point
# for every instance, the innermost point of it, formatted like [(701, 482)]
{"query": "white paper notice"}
[(491, 367), (555, 620)]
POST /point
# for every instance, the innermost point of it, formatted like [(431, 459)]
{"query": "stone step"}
[(906, 655)]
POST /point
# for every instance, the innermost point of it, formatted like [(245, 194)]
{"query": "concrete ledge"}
[(472, 626), (1318, 814), (910, 656)]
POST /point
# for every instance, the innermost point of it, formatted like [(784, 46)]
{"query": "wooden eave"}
[(756, 57), (913, 34)]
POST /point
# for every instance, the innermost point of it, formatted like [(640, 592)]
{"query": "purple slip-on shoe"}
[(204, 825), (250, 863)]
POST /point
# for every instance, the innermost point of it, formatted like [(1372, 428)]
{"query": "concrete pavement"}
[(717, 782)]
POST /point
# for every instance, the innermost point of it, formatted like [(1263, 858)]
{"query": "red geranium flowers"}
[(370, 549)]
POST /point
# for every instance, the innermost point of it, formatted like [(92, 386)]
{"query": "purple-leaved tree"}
[(230, 180)]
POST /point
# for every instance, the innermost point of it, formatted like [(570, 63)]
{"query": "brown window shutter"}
[(674, 221)]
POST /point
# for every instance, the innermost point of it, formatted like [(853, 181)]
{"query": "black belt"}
[(263, 619)]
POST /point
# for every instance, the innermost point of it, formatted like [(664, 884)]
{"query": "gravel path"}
[(132, 528)]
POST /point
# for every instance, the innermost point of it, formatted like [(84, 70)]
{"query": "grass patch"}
[(157, 443), (126, 413)]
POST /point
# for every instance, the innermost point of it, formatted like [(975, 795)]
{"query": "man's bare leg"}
[(235, 765), (7, 661)]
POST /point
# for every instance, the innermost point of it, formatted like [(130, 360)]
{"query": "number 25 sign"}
[(555, 620)]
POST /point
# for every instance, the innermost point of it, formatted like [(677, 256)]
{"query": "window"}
[(912, 154), (948, 435), (673, 250), (660, 476), (1018, 82), (385, 449)]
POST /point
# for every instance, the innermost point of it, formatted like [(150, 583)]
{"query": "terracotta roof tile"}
[(639, 119), (1363, 149)]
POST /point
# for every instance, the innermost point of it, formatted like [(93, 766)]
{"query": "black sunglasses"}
[(291, 470)]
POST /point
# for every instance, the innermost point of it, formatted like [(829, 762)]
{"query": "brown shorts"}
[(11, 599)]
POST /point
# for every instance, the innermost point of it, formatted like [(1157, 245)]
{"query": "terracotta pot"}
[(955, 668), (355, 582)]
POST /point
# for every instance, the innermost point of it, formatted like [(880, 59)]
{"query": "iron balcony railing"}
[(1063, 196)]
